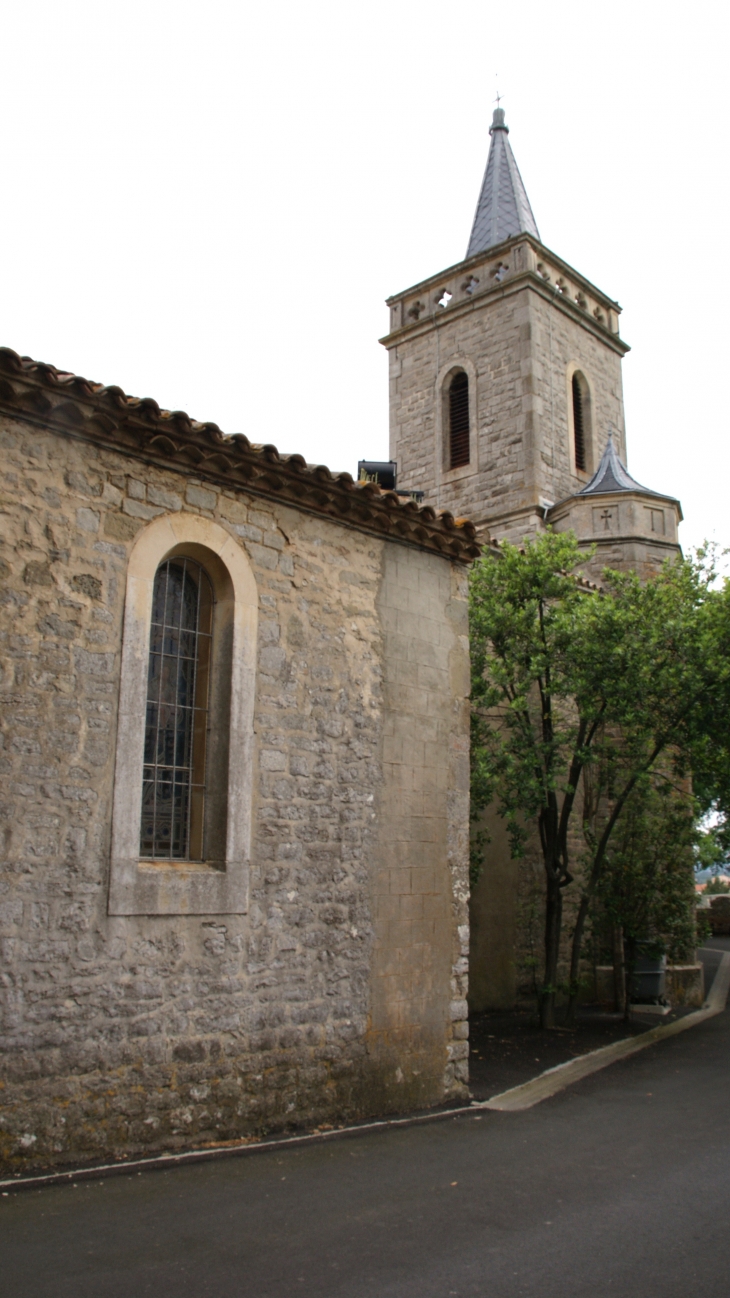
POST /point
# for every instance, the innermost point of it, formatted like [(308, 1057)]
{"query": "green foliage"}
[(570, 688), (524, 606), (710, 850), (477, 847), (703, 927), (647, 885), (715, 886)]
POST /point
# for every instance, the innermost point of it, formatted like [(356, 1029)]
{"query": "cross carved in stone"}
[(607, 516)]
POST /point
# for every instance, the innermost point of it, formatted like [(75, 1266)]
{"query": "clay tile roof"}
[(503, 208), (52, 398)]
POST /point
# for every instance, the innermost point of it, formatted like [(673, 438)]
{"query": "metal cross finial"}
[(499, 99)]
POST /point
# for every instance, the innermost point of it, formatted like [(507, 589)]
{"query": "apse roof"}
[(503, 208)]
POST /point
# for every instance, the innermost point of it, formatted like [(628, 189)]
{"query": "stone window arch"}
[(456, 418), (206, 869), (580, 422)]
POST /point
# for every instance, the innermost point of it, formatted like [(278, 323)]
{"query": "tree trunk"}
[(553, 924), (629, 967), (619, 970), (575, 961)]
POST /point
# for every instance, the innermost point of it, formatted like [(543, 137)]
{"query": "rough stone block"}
[(202, 497), (88, 520), (137, 509), (166, 499)]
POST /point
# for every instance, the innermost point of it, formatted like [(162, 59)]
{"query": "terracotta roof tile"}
[(43, 395)]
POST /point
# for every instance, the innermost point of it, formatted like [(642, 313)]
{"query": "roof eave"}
[(64, 403)]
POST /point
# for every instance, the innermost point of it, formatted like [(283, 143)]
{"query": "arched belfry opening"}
[(581, 422), (459, 420)]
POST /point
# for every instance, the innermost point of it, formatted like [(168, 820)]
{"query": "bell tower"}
[(505, 369), (506, 405)]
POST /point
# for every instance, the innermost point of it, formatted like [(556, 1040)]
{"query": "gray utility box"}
[(649, 979)]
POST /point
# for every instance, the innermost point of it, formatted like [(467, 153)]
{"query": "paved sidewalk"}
[(619, 1185), (507, 1049)]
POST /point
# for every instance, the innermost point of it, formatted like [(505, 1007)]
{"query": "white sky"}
[(208, 203)]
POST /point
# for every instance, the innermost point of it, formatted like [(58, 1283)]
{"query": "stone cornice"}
[(39, 394), (609, 540), (563, 507)]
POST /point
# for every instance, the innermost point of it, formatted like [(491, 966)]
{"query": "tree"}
[(572, 687), (646, 891), (716, 885), (670, 714), (711, 852)]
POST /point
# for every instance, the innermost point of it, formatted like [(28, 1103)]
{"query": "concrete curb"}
[(512, 1101), (556, 1079)]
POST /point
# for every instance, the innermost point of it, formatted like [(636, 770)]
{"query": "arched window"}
[(579, 424), (178, 686), (459, 421), (184, 775)]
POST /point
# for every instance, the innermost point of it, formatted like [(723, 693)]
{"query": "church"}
[(234, 890)]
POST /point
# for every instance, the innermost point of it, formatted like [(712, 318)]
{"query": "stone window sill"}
[(181, 867)]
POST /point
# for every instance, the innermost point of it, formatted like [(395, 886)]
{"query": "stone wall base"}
[(147, 1108), (685, 984)]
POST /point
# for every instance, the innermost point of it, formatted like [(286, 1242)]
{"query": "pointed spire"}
[(503, 208), (612, 475)]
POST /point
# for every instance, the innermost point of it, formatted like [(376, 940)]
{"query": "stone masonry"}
[(341, 992), (519, 322)]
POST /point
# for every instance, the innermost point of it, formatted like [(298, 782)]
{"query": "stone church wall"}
[(341, 991), (560, 346), (496, 344)]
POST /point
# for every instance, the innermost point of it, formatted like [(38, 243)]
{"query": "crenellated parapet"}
[(498, 273)]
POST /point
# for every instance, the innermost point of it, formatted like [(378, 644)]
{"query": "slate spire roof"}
[(612, 475), (503, 208)]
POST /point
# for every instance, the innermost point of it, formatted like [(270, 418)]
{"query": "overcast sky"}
[(207, 203)]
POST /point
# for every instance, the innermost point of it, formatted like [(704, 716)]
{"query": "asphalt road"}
[(620, 1185)]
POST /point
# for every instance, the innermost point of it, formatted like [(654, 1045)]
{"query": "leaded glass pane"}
[(173, 782)]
